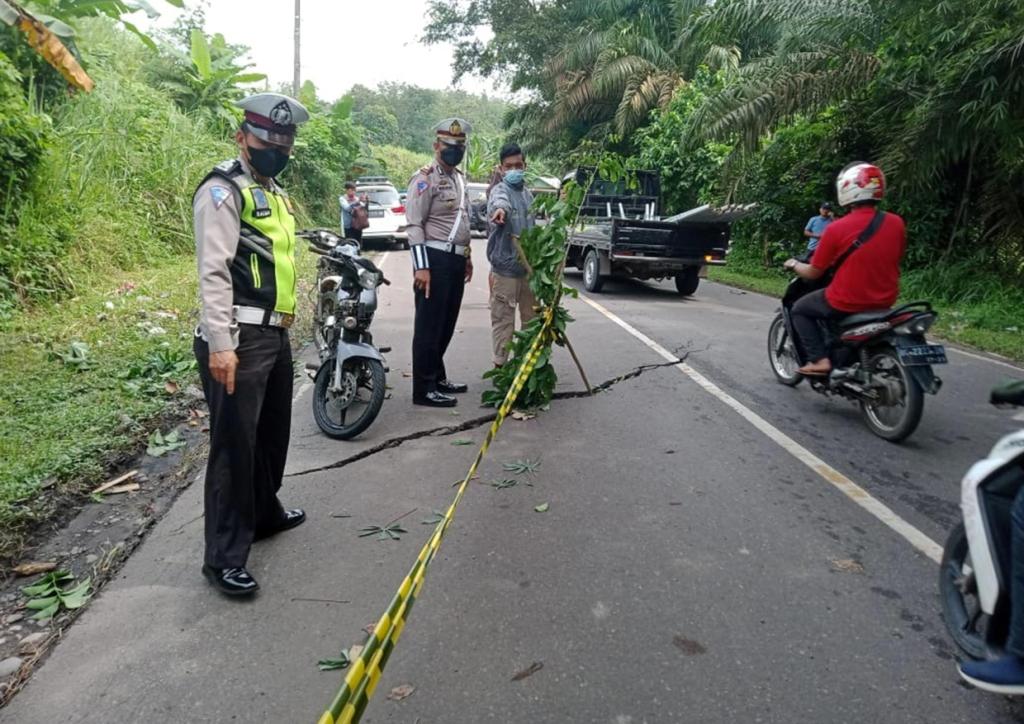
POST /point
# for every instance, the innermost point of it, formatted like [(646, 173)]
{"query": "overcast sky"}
[(344, 42)]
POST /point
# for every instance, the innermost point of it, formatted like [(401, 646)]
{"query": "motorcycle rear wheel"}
[(958, 592), (884, 363), (332, 410), (784, 364)]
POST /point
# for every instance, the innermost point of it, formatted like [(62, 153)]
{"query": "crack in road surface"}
[(447, 430)]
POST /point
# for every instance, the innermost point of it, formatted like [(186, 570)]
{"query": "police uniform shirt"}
[(216, 210), (432, 206)]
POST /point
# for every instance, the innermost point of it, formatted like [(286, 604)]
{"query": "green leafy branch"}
[(48, 595), (544, 247)]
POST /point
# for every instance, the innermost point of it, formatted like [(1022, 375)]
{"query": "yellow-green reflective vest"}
[(263, 270)]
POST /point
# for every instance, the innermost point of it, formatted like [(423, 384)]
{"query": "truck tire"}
[(688, 280), (592, 279)]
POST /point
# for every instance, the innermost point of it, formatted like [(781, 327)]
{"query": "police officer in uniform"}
[(245, 249), (437, 211)]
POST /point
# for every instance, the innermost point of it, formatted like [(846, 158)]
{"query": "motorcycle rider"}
[(869, 278)]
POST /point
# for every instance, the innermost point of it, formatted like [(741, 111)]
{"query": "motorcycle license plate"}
[(376, 213), (923, 354)]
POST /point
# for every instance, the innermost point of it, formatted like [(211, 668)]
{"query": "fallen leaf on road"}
[(517, 415), (33, 568), (354, 651), (334, 664), (171, 387), (688, 647), (847, 565), (401, 692), (542, 508), (462, 441), (407, 374), (529, 671), (370, 627)]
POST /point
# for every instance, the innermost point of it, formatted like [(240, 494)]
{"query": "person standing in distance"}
[(437, 211), (349, 204), (245, 251), (508, 212)]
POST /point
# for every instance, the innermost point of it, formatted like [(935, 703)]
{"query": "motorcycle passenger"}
[(868, 279)]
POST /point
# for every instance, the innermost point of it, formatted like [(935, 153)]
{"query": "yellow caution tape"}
[(365, 672)]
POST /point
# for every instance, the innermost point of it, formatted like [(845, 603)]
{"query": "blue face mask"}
[(515, 177)]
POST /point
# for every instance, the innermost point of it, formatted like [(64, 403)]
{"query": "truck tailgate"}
[(661, 239)]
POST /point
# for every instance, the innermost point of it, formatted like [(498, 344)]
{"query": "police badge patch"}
[(421, 186), (281, 114), (219, 194)]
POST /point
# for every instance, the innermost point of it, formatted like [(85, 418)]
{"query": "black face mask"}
[(452, 155), (267, 162)]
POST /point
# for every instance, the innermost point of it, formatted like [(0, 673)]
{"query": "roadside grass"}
[(68, 418), (975, 309)]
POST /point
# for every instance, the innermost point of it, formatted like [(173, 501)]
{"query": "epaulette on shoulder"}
[(229, 168)]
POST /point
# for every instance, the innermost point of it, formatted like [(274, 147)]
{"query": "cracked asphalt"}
[(688, 569)]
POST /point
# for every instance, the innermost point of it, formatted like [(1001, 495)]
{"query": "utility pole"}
[(297, 77)]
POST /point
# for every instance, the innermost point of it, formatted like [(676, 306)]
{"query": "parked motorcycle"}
[(974, 578), (349, 385), (880, 360)]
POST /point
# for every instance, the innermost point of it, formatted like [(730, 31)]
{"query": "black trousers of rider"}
[(807, 311), (1015, 644), (249, 434), (436, 317)]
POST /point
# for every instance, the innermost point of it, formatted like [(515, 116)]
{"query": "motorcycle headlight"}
[(350, 323), (368, 279)]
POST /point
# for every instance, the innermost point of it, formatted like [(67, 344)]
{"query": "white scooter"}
[(974, 579)]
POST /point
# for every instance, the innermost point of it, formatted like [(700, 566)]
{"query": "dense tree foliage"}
[(398, 114)]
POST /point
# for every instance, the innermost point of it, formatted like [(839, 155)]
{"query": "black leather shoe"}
[(435, 399), (231, 581), (451, 388), (292, 518)]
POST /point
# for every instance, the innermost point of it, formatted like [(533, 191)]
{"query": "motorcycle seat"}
[(864, 318)]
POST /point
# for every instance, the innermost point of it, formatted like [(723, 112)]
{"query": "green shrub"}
[(24, 135)]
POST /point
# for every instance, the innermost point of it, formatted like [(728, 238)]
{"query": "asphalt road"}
[(692, 567)]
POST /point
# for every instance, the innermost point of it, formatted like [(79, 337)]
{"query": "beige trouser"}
[(506, 294)]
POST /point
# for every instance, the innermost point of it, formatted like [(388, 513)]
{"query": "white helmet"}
[(860, 182)]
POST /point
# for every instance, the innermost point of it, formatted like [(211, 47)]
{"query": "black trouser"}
[(249, 433), (435, 319), (356, 234), (807, 311)]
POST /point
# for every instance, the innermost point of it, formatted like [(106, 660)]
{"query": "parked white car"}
[(386, 212)]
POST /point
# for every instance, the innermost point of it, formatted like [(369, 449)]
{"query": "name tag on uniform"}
[(262, 209)]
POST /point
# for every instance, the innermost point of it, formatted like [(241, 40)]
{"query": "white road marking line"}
[(983, 358), (847, 487)]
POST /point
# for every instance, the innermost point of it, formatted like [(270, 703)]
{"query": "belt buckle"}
[(287, 320)]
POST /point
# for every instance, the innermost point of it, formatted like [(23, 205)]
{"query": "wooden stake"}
[(565, 340), (116, 481)]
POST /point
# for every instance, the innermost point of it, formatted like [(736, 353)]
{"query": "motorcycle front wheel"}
[(958, 591), (344, 413), (896, 416), (782, 354)]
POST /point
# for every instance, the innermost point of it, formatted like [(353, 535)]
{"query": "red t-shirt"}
[(869, 279)]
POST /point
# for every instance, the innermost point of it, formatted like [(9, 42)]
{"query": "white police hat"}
[(453, 131), (273, 117)]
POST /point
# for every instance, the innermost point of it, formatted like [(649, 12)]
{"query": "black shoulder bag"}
[(861, 240)]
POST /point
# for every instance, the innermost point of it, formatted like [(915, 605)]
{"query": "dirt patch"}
[(92, 538)]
